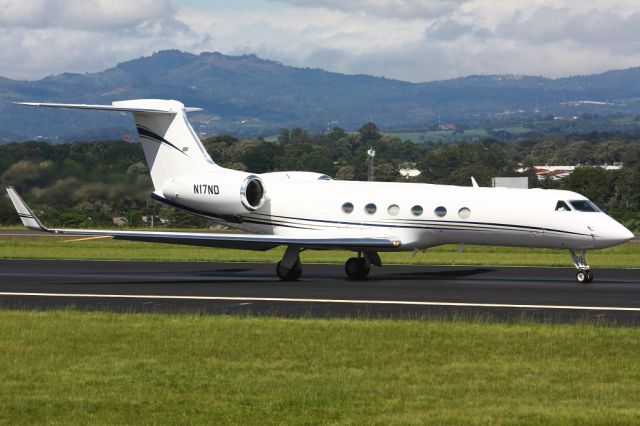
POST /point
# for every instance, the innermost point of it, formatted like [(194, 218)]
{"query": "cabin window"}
[(417, 210), (370, 208), (393, 209), (584, 206), (440, 211), (561, 206), (347, 207), (464, 213)]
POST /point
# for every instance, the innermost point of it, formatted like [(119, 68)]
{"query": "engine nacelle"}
[(218, 193)]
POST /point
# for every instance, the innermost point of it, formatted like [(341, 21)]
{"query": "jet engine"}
[(218, 193)]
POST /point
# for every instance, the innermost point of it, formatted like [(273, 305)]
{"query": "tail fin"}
[(170, 145)]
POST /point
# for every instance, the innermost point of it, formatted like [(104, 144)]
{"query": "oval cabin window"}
[(370, 208), (393, 209)]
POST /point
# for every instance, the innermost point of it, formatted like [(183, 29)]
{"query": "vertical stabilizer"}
[(170, 144)]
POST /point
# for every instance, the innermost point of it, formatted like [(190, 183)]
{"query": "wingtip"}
[(28, 218)]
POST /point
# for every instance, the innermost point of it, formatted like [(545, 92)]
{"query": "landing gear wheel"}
[(357, 268), (289, 274), (584, 276), (589, 276)]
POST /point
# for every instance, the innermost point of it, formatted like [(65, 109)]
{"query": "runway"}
[(391, 292)]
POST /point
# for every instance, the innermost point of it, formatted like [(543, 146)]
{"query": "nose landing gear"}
[(584, 274)]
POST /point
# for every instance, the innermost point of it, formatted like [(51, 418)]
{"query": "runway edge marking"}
[(345, 301)]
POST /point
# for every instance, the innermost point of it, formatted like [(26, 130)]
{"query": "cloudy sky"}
[(419, 40)]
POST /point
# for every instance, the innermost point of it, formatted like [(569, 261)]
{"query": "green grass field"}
[(77, 368), (50, 247), (70, 367)]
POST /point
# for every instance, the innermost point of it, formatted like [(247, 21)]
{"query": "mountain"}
[(246, 95)]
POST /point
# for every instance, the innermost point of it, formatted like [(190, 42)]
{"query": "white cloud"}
[(82, 14), (412, 40), (404, 9)]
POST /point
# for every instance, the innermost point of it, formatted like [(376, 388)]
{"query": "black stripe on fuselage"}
[(224, 218), (427, 224)]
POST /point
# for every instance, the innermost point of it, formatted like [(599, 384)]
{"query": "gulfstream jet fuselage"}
[(305, 210)]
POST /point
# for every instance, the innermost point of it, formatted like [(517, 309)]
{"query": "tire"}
[(356, 268), (582, 277), (589, 276), (286, 274)]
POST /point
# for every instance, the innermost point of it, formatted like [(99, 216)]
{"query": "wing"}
[(236, 241)]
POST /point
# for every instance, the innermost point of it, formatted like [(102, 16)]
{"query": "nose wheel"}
[(584, 277), (584, 274)]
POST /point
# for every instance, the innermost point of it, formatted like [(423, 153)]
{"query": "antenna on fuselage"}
[(474, 183)]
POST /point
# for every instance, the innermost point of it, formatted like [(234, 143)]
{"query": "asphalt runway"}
[(548, 294)]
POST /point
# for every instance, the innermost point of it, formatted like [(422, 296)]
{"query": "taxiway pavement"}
[(392, 291)]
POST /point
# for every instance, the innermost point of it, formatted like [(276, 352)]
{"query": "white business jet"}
[(305, 210)]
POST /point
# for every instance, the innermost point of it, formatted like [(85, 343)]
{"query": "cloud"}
[(592, 27), (42, 37), (91, 15), (447, 29), (405, 9), (402, 39)]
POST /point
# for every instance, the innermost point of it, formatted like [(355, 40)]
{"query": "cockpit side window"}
[(584, 206), (561, 206)]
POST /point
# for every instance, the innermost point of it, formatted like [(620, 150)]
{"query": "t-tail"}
[(171, 146)]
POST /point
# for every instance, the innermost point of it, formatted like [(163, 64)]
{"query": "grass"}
[(50, 247), (414, 137), (67, 367), (515, 130)]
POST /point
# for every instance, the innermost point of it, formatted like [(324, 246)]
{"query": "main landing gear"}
[(584, 274), (290, 267), (356, 268)]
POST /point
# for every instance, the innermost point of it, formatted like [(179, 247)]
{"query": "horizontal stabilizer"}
[(139, 105)]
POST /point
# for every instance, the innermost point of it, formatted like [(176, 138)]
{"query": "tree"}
[(21, 175), (594, 183), (369, 133)]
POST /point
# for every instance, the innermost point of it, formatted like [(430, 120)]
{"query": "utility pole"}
[(371, 153)]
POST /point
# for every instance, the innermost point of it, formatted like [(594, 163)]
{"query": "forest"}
[(87, 184)]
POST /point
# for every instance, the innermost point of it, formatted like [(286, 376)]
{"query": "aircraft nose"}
[(614, 234), (626, 235)]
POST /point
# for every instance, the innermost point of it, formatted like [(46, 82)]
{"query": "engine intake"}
[(252, 193)]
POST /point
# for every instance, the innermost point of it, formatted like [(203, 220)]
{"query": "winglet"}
[(26, 215)]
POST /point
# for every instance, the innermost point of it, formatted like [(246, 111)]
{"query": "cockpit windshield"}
[(584, 206), (561, 206)]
